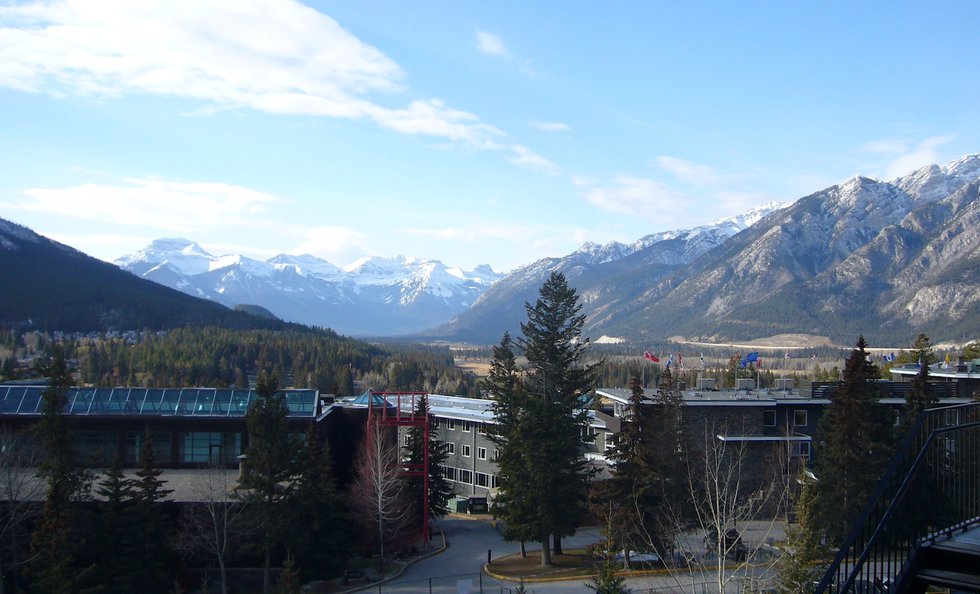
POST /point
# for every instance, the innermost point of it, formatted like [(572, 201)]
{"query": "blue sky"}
[(492, 132)]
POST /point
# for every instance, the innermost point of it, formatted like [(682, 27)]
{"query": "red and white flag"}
[(652, 357)]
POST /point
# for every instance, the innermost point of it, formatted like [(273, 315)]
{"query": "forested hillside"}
[(221, 357)]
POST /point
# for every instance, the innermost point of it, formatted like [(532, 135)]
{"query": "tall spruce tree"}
[(268, 481), (150, 524), (857, 444), (921, 396), (556, 415), (631, 497), (56, 539), (803, 564), (514, 502), (440, 491), (318, 518)]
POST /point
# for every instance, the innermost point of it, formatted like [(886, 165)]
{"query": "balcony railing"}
[(931, 489)]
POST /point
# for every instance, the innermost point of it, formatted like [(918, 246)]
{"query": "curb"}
[(620, 573), (400, 572)]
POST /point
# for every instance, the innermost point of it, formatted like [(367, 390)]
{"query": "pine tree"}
[(56, 537), (114, 536), (440, 491), (631, 497), (921, 396), (319, 523), (857, 441), (514, 503), (268, 481), (149, 523), (802, 566), (555, 415)]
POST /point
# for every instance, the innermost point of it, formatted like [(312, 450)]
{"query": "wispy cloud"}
[(638, 197), (551, 126), (168, 206), (528, 159), (689, 171), (904, 157), (337, 245), (276, 56), (491, 44)]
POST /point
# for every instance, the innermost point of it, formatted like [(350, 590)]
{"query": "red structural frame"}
[(386, 416)]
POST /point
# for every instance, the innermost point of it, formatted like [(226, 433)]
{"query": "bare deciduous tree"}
[(20, 490), (727, 491), (380, 492), (217, 521)]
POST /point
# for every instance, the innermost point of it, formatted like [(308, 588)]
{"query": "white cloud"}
[(639, 197), (338, 245), (689, 171), (277, 56), (172, 207), (526, 158), (885, 147), (491, 44), (925, 153), (551, 126)]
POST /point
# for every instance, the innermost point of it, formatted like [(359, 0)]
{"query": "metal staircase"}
[(922, 525)]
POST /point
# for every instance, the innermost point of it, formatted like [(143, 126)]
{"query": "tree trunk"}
[(545, 549), (266, 567), (557, 546), (523, 550)]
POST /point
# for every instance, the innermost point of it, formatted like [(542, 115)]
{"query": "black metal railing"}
[(932, 488)]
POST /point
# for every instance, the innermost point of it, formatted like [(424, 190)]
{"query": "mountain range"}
[(50, 286), (886, 259), (372, 297)]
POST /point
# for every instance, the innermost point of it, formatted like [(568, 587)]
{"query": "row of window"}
[(98, 448), (466, 426), (467, 477), (799, 418), (465, 451)]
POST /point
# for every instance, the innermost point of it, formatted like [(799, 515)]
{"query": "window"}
[(465, 476), (496, 454), (449, 472), (450, 447), (482, 479), (451, 424), (493, 481), (407, 440), (466, 450), (799, 418), (804, 449), (202, 447), (481, 453), (481, 428), (467, 426), (768, 418)]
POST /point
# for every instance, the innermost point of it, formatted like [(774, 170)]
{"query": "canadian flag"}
[(652, 357)]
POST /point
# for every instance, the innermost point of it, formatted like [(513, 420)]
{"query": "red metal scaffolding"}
[(399, 410)]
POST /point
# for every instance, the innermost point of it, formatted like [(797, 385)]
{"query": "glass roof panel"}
[(168, 404), (205, 401), (222, 401), (239, 403), (301, 403), (32, 401), (11, 399), (151, 404), (188, 398), (82, 403)]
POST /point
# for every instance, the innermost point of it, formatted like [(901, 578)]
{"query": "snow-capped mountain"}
[(374, 296), (598, 271), (884, 258)]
